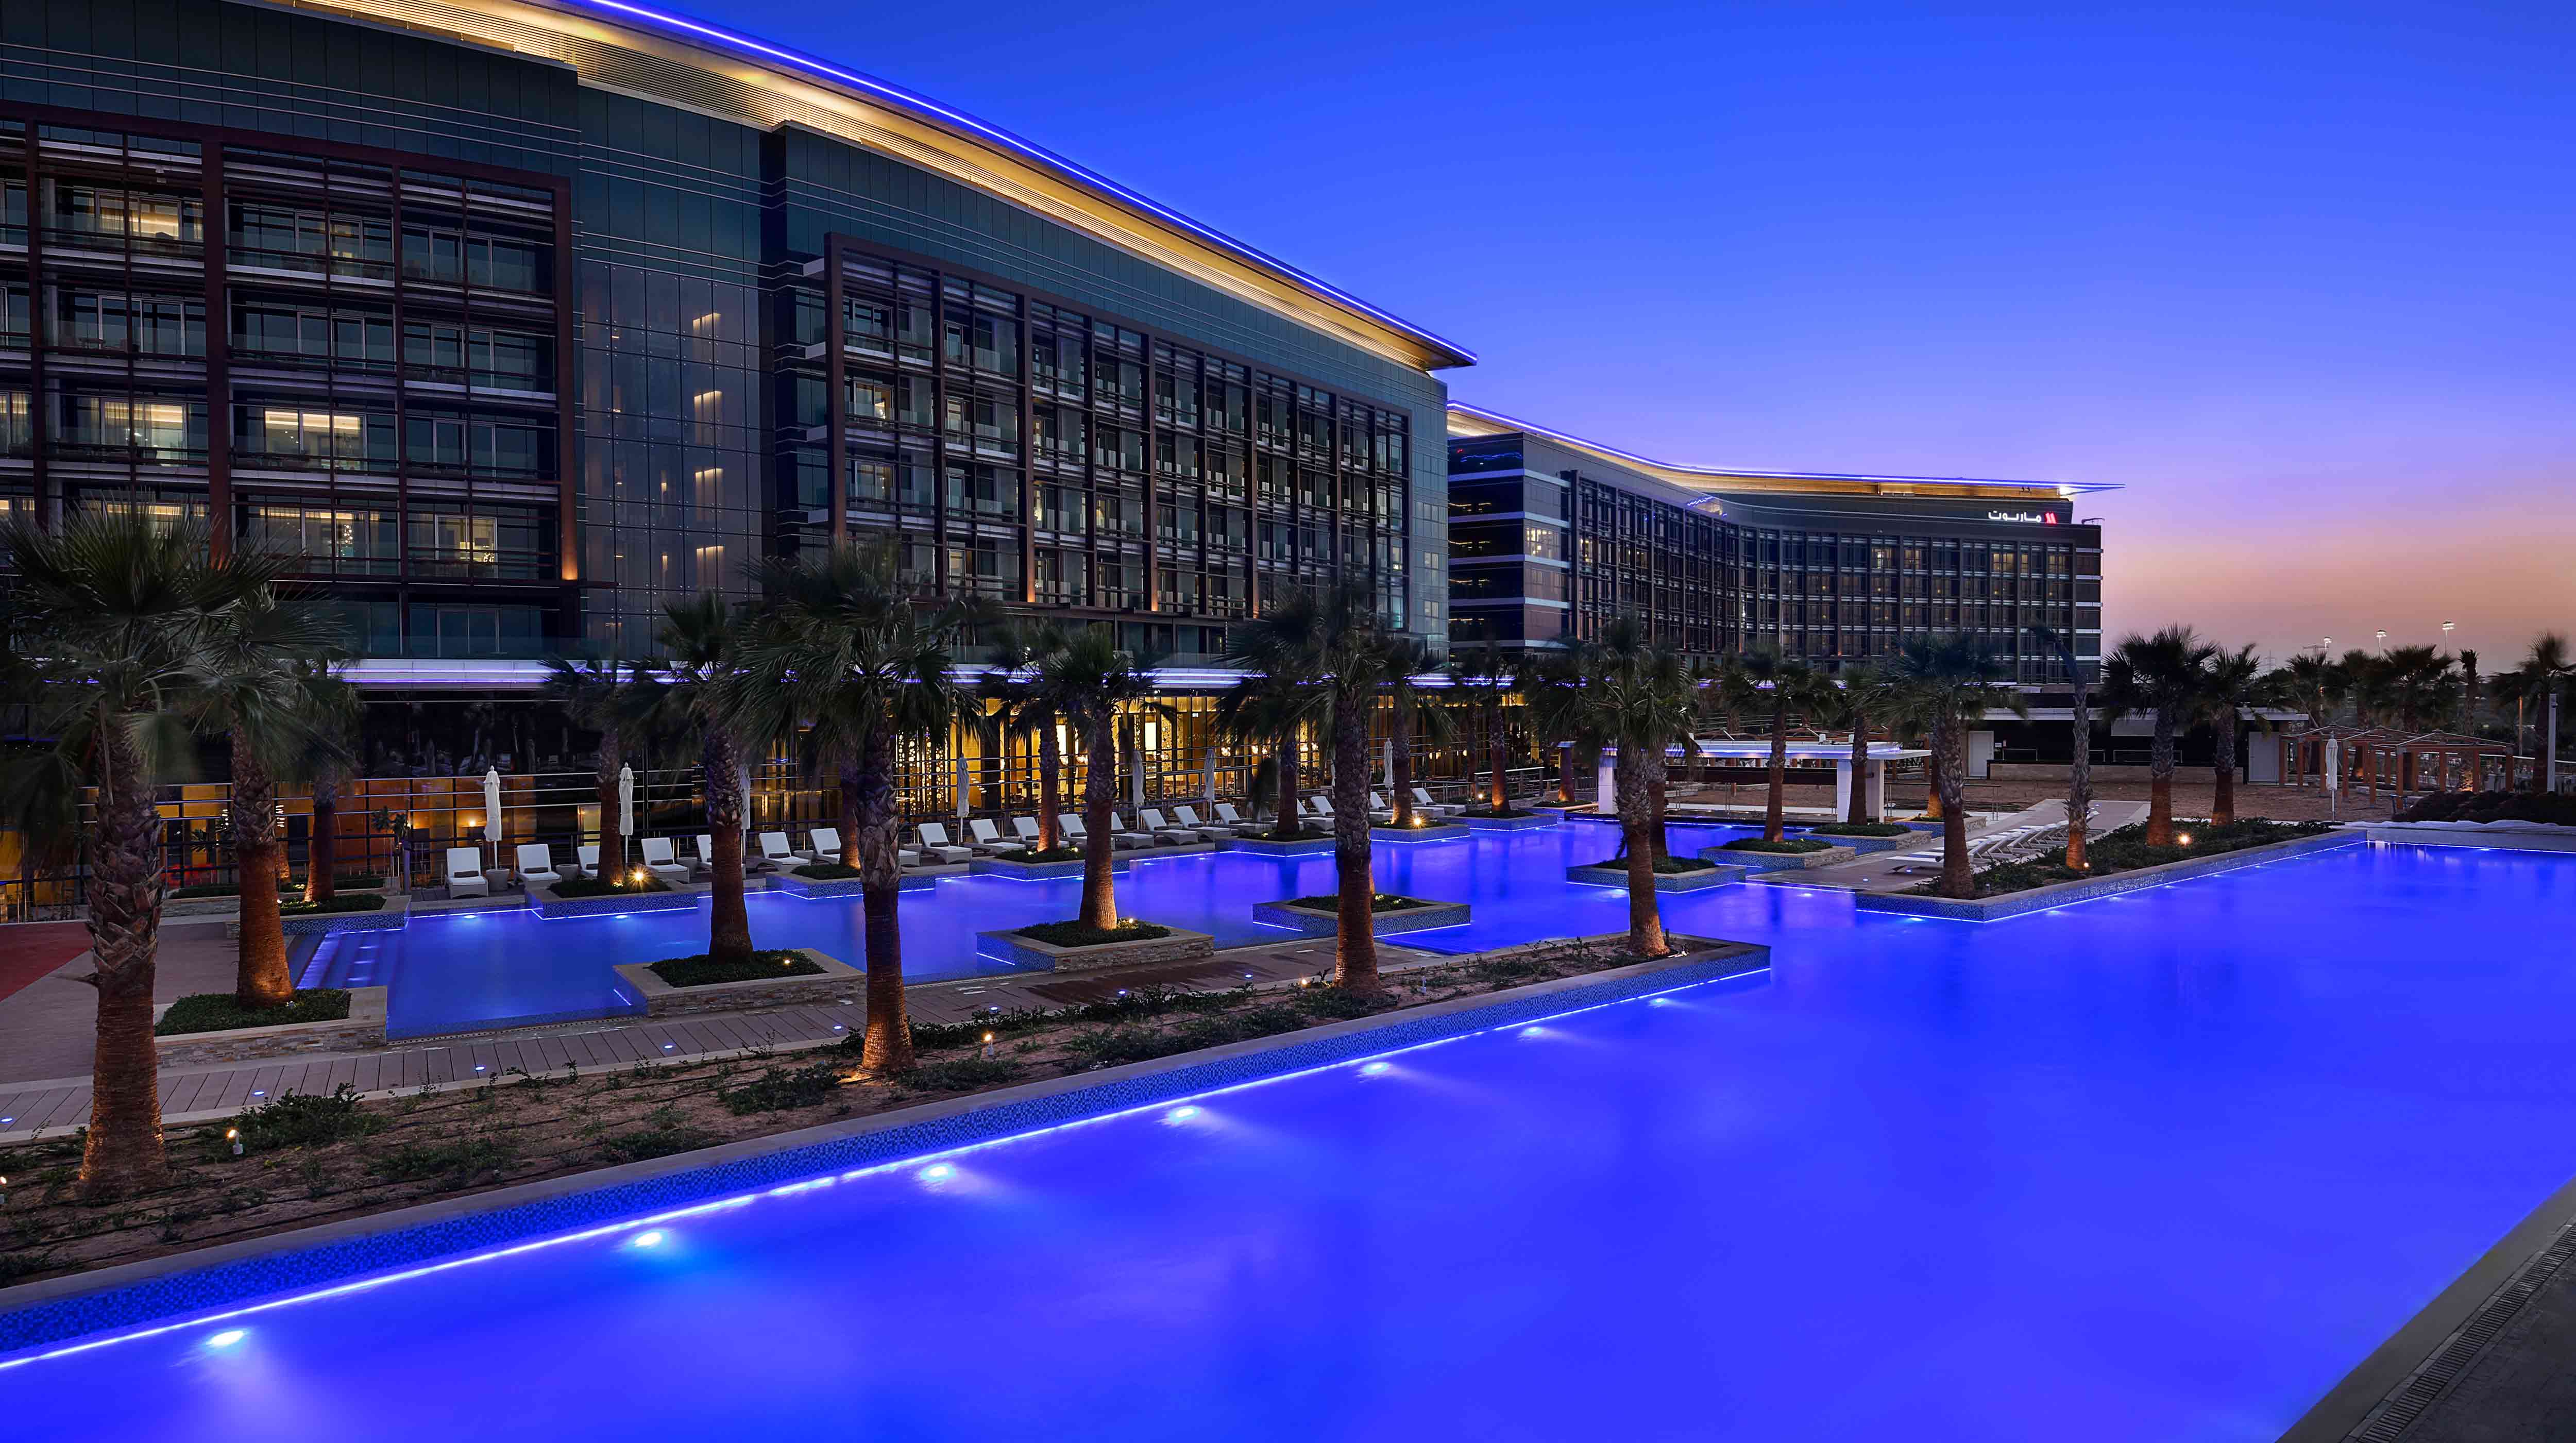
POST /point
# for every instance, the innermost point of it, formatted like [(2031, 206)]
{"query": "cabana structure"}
[(1732, 749), (2376, 760)]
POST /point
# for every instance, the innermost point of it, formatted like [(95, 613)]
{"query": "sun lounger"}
[(1422, 801), (1190, 820), (774, 851), (935, 843), (661, 862), (465, 873), (537, 866), (1119, 836), (585, 861), (1165, 832), (1029, 833), (986, 838)]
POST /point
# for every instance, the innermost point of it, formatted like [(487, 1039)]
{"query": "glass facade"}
[(513, 359), (1548, 543)]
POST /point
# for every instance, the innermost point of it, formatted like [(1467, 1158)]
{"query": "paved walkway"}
[(29, 950), (32, 1109)]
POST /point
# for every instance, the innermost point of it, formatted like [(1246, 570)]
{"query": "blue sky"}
[(2297, 276)]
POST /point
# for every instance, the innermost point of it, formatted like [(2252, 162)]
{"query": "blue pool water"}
[(2156, 1168), (478, 970)]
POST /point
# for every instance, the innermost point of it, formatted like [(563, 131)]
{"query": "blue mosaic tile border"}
[(392, 917), (555, 908), (1756, 861), (1511, 824), (1714, 876), (2041, 899), (292, 1268), (1408, 836), (1865, 845), (1035, 871), (1263, 847), (1381, 924)]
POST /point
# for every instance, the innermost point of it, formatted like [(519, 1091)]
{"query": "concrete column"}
[(1873, 800), (1842, 788)]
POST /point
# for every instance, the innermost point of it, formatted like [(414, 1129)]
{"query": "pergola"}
[(2378, 759), (1874, 782)]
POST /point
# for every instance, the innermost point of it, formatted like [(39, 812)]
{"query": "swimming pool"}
[(467, 971), (2161, 1167)]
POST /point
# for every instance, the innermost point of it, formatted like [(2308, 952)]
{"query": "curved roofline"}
[(1698, 476), (923, 107)]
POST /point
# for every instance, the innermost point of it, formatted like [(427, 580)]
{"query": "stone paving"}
[(56, 1105)]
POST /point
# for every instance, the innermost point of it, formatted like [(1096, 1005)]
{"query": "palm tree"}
[(1272, 708), (595, 696), (1412, 712), (2318, 685), (1337, 637), (1767, 679), (2534, 685), (1949, 683), (2079, 767), (256, 691), (1017, 657), (1089, 681), (841, 648), (123, 613), (2162, 675), (2234, 683), (1640, 698), (703, 637), (1537, 675), (333, 709), (1858, 698), (1486, 683)]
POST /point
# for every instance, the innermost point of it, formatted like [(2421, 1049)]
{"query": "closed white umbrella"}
[(625, 811), (1207, 775), (492, 811)]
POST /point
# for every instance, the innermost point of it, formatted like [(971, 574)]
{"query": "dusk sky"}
[(2297, 277)]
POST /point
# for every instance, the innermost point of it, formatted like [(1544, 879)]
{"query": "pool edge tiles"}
[(97, 1309)]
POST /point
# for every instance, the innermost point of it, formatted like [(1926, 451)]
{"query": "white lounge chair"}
[(1028, 831), (705, 860), (1324, 808), (824, 846), (1164, 831), (986, 838), (774, 851), (465, 873), (1119, 836), (1227, 816), (1422, 802), (659, 860), (585, 863), (537, 866), (1190, 819), (935, 843), (1379, 811)]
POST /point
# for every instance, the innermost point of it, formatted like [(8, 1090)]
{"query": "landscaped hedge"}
[(1788, 845), (700, 971), (2556, 810), (1858, 829), (223, 1012), (2126, 850), (571, 887), (1074, 934), (1378, 902), (351, 902)]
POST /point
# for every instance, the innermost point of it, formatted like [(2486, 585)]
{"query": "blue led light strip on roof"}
[(925, 106)]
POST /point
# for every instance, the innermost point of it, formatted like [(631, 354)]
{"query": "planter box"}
[(1508, 824), (819, 889), (1863, 846), (682, 898), (1777, 861), (2512, 836), (393, 916), (1035, 871), (361, 1030), (1435, 832), (1699, 881), (174, 908), (1174, 946), (1264, 847), (1321, 922), (2058, 894), (837, 982)]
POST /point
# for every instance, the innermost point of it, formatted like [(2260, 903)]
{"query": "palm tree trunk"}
[(1645, 914), (850, 849), (728, 920), (262, 980), (1564, 774), (1858, 809), (1284, 762), (1050, 781), (322, 847), (2160, 759), (612, 842), (2079, 783), (887, 1046), (2222, 794), (1400, 772), (1356, 935), (1499, 789), (122, 1151), (1657, 775), (1099, 794), (1957, 878), (1932, 790), (1775, 811)]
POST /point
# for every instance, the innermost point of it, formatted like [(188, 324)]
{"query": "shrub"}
[(934, 1035), (2126, 850), (660, 1140), (782, 1088), (598, 887), (965, 1074), (2557, 810), (346, 902), (827, 872), (1378, 902), (701, 971), (301, 1119), (223, 1012), (1673, 866), (1074, 934), (1052, 854), (1507, 814), (1859, 829), (1787, 845), (455, 1164)]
